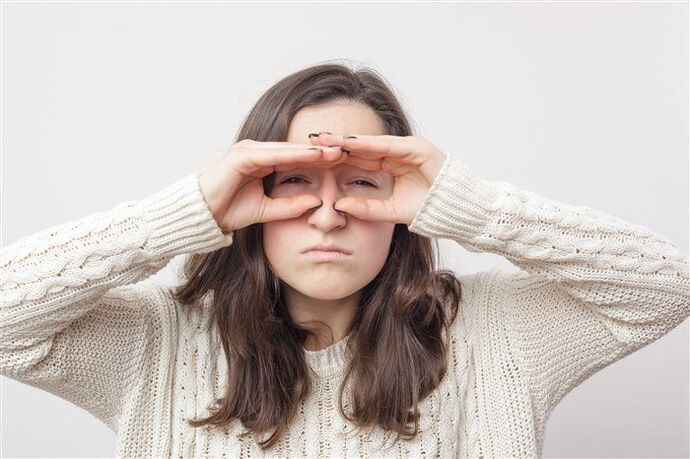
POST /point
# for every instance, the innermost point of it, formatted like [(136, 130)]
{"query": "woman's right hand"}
[(233, 186)]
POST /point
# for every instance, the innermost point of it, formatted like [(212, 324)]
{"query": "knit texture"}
[(81, 320)]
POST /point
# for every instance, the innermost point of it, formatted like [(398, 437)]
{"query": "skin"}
[(329, 291)]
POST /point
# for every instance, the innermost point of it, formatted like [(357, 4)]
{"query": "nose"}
[(326, 216)]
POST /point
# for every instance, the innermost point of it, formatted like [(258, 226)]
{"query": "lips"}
[(326, 256), (328, 248)]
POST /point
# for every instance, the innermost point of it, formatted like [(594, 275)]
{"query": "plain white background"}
[(586, 103)]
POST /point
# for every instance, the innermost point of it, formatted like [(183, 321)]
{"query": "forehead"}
[(338, 118)]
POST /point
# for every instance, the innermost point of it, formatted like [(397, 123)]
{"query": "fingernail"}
[(313, 134)]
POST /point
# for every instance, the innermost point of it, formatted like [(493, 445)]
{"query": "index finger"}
[(369, 147)]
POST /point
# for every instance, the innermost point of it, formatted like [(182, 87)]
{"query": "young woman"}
[(271, 347)]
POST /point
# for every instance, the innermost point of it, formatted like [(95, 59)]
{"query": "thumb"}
[(368, 209), (286, 208)]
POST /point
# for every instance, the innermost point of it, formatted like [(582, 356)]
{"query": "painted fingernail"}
[(313, 134), (350, 137)]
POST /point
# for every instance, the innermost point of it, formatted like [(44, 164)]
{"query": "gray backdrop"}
[(586, 103)]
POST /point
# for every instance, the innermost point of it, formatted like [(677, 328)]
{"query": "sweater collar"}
[(331, 360)]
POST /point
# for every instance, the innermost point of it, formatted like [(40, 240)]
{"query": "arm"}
[(592, 287), (66, 328)]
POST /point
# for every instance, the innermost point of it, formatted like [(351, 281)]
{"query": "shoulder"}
[(484, 290), (484, 310), (144, 299), (472, 318), (480, 292), (143, 294)]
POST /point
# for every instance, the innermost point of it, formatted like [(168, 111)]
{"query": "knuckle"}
[(261, 213), (246, 142)]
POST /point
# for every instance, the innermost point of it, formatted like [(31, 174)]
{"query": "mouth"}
[(327, 247), (326, 255)]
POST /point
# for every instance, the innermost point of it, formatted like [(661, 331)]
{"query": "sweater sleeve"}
[(591, 288), (73, 322)]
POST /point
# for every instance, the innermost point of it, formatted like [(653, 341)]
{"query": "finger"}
[(279, 145), (286, 208), (321, 139), (326, 139), (328, 159), (371, 165), (314, 138), (284, 145), (372, 146), (368, 209), (272, 157), (362, 163), (329, 153)]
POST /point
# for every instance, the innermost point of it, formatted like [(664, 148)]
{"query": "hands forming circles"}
[(414, 163), (233, 188)]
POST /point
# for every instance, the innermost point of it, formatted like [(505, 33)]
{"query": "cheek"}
[(278, 238), (375, 240)]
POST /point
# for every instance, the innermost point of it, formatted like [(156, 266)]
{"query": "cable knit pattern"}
[(81, 320), (591, 289)]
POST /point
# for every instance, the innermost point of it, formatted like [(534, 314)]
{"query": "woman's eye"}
[(289, 180)]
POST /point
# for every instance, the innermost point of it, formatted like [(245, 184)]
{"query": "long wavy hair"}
[(397, 350)]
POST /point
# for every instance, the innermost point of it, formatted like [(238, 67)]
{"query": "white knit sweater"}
[(81, 320)]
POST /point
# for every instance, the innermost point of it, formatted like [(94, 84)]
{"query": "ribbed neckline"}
[(330, 360)]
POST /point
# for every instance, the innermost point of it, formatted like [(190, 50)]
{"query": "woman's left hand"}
[(414, 163)]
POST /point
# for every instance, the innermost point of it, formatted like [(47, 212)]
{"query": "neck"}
[(337, 314)]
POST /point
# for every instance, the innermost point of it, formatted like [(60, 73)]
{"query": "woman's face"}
[(368, 241)]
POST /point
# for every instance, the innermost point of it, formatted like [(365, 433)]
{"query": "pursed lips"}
[(327, 248)]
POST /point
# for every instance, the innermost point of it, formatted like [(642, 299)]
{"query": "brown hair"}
[(400, 318)]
